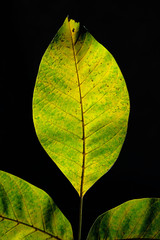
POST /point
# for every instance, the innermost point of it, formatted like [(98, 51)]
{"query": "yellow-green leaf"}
[(80, 105), (27, 212), (135, 219)]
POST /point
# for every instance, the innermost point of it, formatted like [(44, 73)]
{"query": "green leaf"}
[(80, 106), (135, 219), (27, 212)]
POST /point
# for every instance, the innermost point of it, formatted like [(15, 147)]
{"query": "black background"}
[(131, 33)]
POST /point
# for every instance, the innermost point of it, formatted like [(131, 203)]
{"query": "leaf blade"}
[(135, 219), (80, 106), (28, 212)]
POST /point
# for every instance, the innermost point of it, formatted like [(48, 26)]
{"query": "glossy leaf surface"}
[(135, 219), (27, 212), (80, 106)]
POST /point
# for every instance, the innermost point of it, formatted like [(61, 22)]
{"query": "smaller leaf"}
[(135, 219), (27, 212)]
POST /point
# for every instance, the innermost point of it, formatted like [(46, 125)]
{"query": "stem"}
[(80, 218)]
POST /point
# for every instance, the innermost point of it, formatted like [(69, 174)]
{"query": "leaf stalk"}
[(80, 218)]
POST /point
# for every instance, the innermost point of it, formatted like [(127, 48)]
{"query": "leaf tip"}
[(68, 18)]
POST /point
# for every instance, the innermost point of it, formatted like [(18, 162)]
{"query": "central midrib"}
[(82, 115)]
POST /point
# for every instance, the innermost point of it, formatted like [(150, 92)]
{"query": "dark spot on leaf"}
[(73, 30)]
